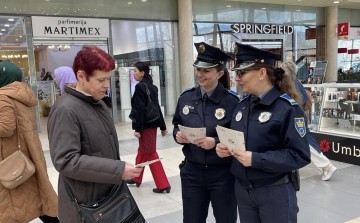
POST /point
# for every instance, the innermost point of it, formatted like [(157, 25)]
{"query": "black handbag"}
[(151, 110), (118, 207)]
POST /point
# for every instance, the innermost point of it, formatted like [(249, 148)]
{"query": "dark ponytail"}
[(225, 78)]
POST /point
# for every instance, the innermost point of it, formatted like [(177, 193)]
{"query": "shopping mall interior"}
[(322, 37)]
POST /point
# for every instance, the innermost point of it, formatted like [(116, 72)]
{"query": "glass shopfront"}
[(151, 42)]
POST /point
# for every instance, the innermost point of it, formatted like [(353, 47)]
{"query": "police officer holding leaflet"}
[(205, 177), (275, 139)]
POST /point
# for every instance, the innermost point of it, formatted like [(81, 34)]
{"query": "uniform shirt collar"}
[(215, 95), (270, 96), (261, 96), (208, 93)]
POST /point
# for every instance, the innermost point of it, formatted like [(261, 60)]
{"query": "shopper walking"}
[(36, 196), (318, 159), (146, 131)]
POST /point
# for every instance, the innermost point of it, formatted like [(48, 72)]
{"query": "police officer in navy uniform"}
[(275, 139), (206, 177)]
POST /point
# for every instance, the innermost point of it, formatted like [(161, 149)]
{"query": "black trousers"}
[(267, 204), (49, 219), (202, 185)]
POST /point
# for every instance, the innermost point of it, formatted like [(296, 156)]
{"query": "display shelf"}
[(338, 113)]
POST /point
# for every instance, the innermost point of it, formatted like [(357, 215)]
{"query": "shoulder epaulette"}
[(289, 99), (244, 98), (189, 89)]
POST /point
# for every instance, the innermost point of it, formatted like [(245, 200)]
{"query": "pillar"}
[(186, 59), (331, 43)]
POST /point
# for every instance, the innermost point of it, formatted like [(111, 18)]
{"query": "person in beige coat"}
[(36, 196)]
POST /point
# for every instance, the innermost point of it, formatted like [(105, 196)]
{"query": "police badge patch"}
[(238, 116), (264, 117), (300, 126), (220, 113), (185, 110)]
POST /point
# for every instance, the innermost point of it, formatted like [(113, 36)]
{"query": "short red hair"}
[(91, 58)]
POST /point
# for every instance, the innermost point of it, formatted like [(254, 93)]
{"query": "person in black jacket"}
[(146, 131), (205, 177)]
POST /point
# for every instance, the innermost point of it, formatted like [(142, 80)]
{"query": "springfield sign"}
[(69, 27), (261, 28)]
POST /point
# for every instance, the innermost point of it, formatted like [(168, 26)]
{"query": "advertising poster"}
[(133, 82)]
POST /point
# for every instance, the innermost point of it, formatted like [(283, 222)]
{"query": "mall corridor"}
[(333, 201)]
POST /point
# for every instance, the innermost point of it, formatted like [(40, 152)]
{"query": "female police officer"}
[(274, 133), (205, 177)]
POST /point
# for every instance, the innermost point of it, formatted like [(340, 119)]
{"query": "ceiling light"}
[(129, 3), (298, 10), (3, 30), (336, 2), (0, 34), (143, 0), (6, 25), (228, 6), (263, 8), (10, 20)]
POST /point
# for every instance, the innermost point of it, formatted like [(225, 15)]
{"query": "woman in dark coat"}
[(83, 141), (146, 131)]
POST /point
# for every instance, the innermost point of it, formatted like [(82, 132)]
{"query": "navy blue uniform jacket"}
[(278, 145), (192, 98)]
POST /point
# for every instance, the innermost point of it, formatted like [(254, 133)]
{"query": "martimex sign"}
[(69, 27)]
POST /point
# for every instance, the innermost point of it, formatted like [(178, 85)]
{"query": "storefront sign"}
[(339, 148), (261, 28), (343, 29), (69, 27), (354, 33)]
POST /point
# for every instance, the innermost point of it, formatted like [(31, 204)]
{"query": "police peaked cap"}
[(209, 56), (247, 56)]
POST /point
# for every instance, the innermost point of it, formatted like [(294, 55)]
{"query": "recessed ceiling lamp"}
[(336, 2), (129, 3), (263, 8), (6, 25), (228, 6), (143, 0), (10, 20), (298, 10)]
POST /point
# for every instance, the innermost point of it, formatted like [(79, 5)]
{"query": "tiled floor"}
[(334, 201)]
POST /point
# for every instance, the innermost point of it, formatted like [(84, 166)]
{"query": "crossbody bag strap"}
[(17, 125), (17, 128), (71, 194), (148, 92)]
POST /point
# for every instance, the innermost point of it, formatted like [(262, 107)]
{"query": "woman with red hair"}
[(83, 141)]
